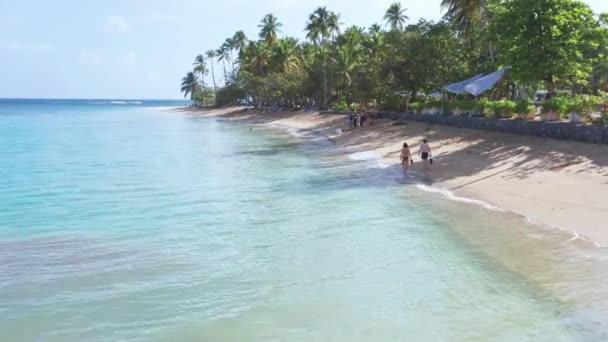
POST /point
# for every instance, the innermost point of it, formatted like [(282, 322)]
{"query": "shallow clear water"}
[(135, 224)]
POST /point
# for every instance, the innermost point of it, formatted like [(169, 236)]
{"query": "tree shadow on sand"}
[(458, 152)]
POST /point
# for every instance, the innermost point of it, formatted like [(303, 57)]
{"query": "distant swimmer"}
[(406, 159), (425, 154)]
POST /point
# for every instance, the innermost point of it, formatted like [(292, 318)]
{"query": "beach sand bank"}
[(559, 184)]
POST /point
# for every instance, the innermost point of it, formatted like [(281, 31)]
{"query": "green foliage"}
[(551, 40), (190, 85), (416, 107), (525, 109), (583, 104), (341, 106), (557, 104), (395, 16), (484, 106), (204, 96), (230, 95), (465, 105), (559, 42), (503, 109)]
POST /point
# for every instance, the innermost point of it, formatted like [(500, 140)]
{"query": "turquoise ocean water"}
[(122, 221)]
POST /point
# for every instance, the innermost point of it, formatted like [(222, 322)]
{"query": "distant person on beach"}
[(425, 154), (406, 159)]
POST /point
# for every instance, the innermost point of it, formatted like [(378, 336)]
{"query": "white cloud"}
[(160, 17), (128, 59), (90, 57), (14, 46), (115, 24)]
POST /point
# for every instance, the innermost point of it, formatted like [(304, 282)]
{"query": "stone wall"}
[(561, 130)]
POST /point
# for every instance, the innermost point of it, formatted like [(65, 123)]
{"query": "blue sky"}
[(141, 49)]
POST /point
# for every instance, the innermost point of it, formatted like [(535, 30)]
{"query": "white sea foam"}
[(373, 157), (576, 236), (450, 195), (118, 102), (365, 155)]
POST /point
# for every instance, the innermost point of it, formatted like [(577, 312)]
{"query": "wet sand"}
[(560, 184)]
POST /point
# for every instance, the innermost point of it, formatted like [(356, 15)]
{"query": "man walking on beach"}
[(427, 158)]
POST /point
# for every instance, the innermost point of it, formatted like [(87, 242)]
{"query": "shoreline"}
[(551, 183)]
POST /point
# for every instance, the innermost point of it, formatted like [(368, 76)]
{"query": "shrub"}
[(232, 94), (465, 105), (416, 107), (503, 108), (523, 106), (433, 103), (583, 104), (340, 106), (525, 109), (558, 104), (484, 106)]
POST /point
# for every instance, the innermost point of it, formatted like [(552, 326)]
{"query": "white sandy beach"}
[(559, 184)]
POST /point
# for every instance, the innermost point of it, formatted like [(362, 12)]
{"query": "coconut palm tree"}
[(223, 55), (467, 15), (239, 42), (345, 64), (395, 16), (319, 27), (200, 66), (190, 85), (257, 57), (229, 46), (375, 39), (285, 55), (269, 28), (210, 55), (333, 23)]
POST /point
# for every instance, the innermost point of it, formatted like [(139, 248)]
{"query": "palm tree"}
[(284, 55), (222, 55), (467, 15), (239, 42), (190, 85), (269, 27), (395, 16), (229, 46), (333, 24), (200, 66), (319, 27), (210, 55), (257, 57), (375, 39), (345, 64)]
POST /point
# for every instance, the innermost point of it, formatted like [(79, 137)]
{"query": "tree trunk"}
[(213, 77), (225, 73), (324, 73), (232, 61)]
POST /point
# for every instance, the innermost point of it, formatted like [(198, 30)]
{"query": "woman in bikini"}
[(406, 159)]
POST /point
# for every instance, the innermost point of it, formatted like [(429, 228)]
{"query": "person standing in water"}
[(406, 159), (425, 154)]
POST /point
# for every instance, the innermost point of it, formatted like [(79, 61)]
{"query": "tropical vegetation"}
[(557, 45)]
